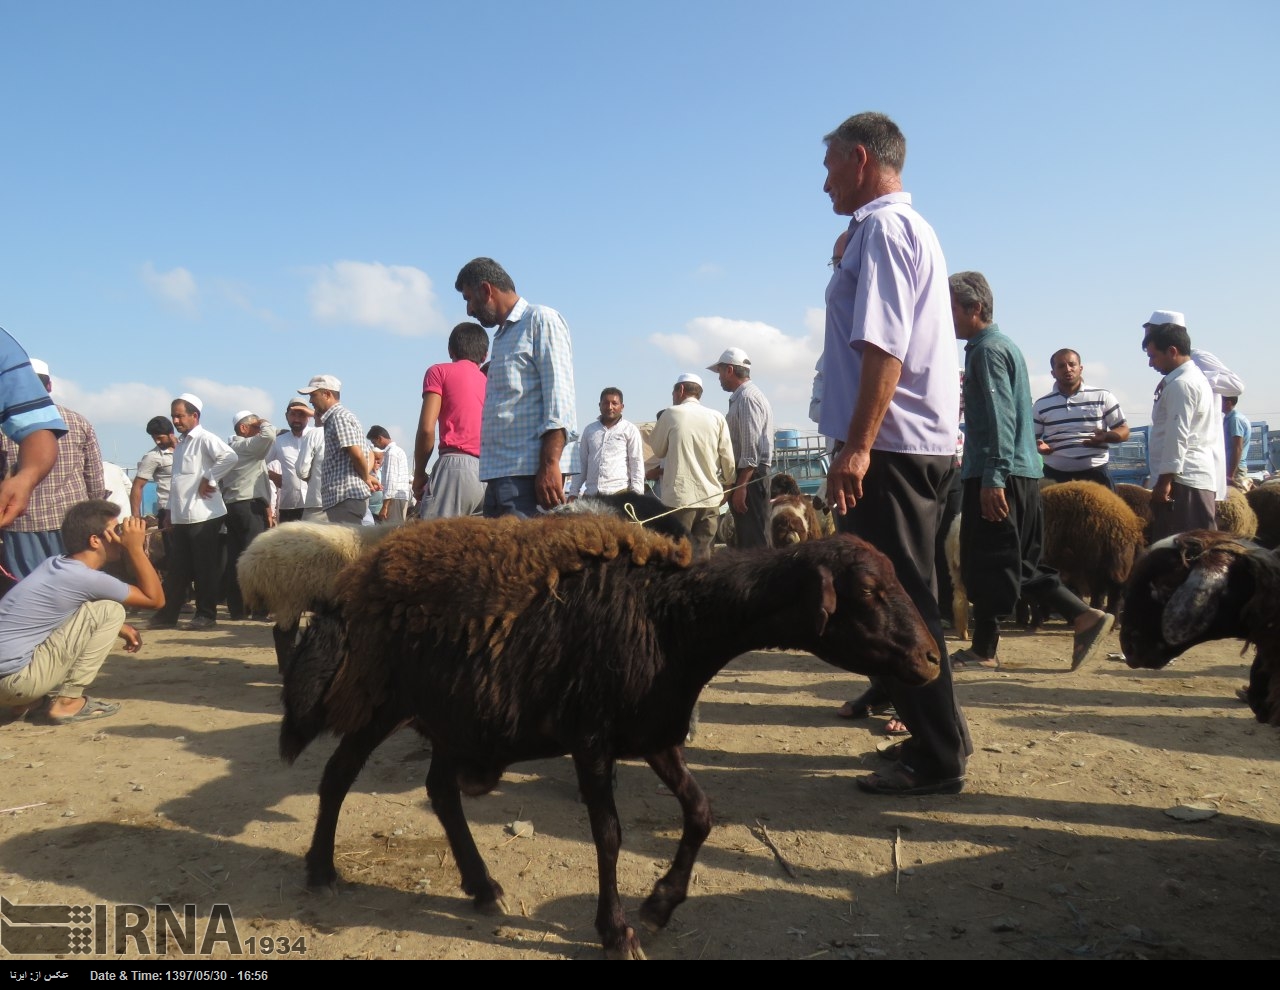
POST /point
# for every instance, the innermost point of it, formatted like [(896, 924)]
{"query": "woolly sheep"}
[(289, 568), (509, 640), (1138, 499), (1264, 499), (1205, 585), (1236, 516), (1092, 538), (792, 519)]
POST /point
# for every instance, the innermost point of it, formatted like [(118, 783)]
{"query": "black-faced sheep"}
[(289, 569), (1092, 538), (1264, 499), (792, 519), (1235, 516), (1205, 585), (510, 640)]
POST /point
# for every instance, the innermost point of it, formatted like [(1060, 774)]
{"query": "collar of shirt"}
[(324, 416), (889, 199), (981, 335), (515, 316)]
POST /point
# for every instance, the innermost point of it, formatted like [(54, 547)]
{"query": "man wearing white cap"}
[(699, 466), (77, 475), (196, 510), (247, 492), (1185, 454), (347, 479), (750, 420)]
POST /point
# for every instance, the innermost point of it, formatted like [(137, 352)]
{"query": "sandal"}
[(864, 706), (967, 658), (91, 711), (902, 781), (896, 727), (1088, 644)]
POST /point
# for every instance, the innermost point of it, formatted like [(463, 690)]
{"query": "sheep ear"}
[(1195, 603), (827, 608)]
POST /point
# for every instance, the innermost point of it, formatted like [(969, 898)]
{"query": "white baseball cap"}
[(1162, 316), (689, 378), (327, 382), (734, 355)]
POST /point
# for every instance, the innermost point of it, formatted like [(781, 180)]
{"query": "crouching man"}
[(58, 624)]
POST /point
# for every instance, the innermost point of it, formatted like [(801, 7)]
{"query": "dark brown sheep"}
[(1206, 585), (1264, 499), (507, 640), (1092, 538), (1138, 499)]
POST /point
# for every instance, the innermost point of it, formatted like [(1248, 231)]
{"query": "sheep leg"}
[(284, 639), (446, 802), (339, 774), (595, 783), (672, 889)]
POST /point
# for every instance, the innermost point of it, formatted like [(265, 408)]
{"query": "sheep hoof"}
[(494, 907), (628, 947)]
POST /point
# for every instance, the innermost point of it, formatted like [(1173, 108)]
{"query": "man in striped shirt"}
[(1076, 423), (29, 418), (751, 430)]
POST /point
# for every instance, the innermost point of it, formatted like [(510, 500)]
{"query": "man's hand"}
[(994, 506), (36, 454), (207, 488), (132, 638), (548, 486), (1163, 490), (844, 479), (132, 535), (419, 484), (1043, 448), (384, 511), (1099, 439)]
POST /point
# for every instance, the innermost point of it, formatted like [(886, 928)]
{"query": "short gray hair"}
[(875, 132), (479, 270), (971, 289)]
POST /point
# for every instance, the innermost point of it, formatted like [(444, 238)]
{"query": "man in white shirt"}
[(310, 469), (394, 475), (610, 451), (1186, 451), (196, 510), (699, 462), (283, 460)]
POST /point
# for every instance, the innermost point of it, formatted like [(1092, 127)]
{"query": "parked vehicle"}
[(803, 456)]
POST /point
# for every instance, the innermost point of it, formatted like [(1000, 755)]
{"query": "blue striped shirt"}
[(529, 392), (25, 404)]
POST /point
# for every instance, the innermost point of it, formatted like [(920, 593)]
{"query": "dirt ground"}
[(1060, 847)]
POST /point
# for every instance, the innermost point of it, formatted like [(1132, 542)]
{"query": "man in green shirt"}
[(1001, 518)]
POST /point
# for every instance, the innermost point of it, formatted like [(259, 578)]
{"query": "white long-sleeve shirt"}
[(200, 456), (397, 483), (310, 465), (1186, 432), (611, 459)]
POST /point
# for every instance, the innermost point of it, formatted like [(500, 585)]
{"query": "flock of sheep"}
[(507, 640)]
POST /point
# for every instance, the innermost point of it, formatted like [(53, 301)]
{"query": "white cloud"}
[(783, 364), (398, 298), (121, 402), (176, 288)]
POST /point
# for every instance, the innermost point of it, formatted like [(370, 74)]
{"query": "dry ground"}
[(1059, 848)]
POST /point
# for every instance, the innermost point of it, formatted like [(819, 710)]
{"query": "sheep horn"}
[(1193, 605)]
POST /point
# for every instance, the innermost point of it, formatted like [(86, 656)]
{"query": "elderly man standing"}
[(892, 401), (1185, 448), (346, 476), (77, 475), (196, 512), (1001, 516), (1076, 424), (750, 420), (529, 399), (611, 451), (282, 462), (694, 441), (247, 492)]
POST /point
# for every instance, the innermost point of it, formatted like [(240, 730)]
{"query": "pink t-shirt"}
[(460, 385)]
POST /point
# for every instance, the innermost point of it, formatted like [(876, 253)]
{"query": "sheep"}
[(1264, 499), (1138, 499), (1092, 538), (1235, 516), (792, 519), (648, 509), (510, 640), (1205, 585), (289, 569), (959, 593)]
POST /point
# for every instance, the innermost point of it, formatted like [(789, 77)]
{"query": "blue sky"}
[(229, 198)]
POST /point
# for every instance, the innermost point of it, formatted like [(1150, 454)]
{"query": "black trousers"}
[(291, 515), (196, 556), (1000, 561), (1098, 475), (245, 520), (903, 496), (751, 526)]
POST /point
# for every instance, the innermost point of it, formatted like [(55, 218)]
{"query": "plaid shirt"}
[(529, 392), (76, 476), (339, 479)]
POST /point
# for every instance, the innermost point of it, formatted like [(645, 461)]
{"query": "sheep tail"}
[(319, 653)]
